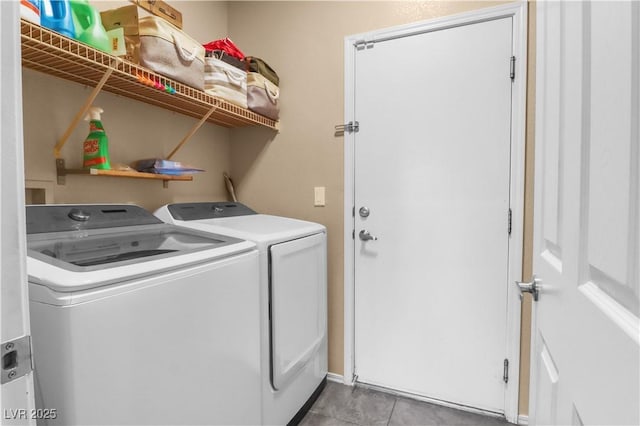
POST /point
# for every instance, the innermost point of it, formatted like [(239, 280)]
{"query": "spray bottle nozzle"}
[(93, 113)]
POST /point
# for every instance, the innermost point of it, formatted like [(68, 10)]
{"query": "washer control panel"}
[(210, 210), (60, 218)]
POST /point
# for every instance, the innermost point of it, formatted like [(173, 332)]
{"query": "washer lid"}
[(86, 255), (88, 251)]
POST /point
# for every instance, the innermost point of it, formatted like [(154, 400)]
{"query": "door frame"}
[(17, 395), (517, 11)]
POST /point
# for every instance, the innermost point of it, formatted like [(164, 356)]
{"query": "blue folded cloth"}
[(165, 167)]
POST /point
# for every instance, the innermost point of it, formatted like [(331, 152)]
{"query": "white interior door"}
[(16, 402), (432, 170), (586, 332)]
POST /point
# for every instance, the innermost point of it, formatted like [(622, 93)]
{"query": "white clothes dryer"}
[(135, 321), (293, 289)]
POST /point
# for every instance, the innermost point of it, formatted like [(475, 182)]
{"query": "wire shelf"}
[(52, 53)]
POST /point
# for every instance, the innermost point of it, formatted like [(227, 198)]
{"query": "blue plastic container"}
[(57, 16)]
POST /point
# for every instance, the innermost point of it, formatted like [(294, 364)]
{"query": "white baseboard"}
[(523, 419), (333, 377)]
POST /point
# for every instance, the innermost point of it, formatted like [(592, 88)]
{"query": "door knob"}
[(366, 236), (364, 211), (532, 287)]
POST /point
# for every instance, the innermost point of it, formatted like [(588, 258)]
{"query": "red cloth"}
[(226, 45)]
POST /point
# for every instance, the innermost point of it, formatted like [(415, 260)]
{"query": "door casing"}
[(16, 395), (518, 13)]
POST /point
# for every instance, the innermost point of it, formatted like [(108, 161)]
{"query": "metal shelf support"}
[(192, 131)]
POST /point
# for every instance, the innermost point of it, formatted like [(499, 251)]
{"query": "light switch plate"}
[(319, 196)]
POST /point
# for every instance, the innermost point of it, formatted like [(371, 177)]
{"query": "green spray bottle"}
[(96, 146)]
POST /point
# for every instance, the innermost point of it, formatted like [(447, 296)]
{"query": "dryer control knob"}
[(79, 215)]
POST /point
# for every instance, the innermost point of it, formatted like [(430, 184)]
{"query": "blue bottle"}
[(56, 15)]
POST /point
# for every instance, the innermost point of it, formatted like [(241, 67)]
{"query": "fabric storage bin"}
[(263, 96), (225, 81), (169, 51), (224, 56), (258, 65)]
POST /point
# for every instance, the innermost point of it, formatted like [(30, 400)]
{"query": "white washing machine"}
[(293, 288), (135, 321)]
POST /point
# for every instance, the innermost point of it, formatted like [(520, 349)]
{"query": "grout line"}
[(395, 400)]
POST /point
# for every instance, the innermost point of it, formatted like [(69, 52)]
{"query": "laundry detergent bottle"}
[(30, 10), (96, 146), (56, 15), (88, 25)]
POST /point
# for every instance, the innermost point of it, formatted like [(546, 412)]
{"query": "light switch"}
[(318, 196)]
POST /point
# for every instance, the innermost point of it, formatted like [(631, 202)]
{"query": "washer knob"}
[(79, 215)]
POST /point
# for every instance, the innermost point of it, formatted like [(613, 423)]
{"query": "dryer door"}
[(298, 293)]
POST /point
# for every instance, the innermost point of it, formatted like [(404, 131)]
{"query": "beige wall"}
[(527, 253), (274, 173)]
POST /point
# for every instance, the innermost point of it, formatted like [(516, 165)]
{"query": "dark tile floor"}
[(341, 405)]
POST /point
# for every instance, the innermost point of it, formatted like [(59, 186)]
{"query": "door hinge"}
[(361, 44), (512, 68), (16, 359), (510, 222), (350, 127), (353, 234), (505, 374), (353, 211)]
